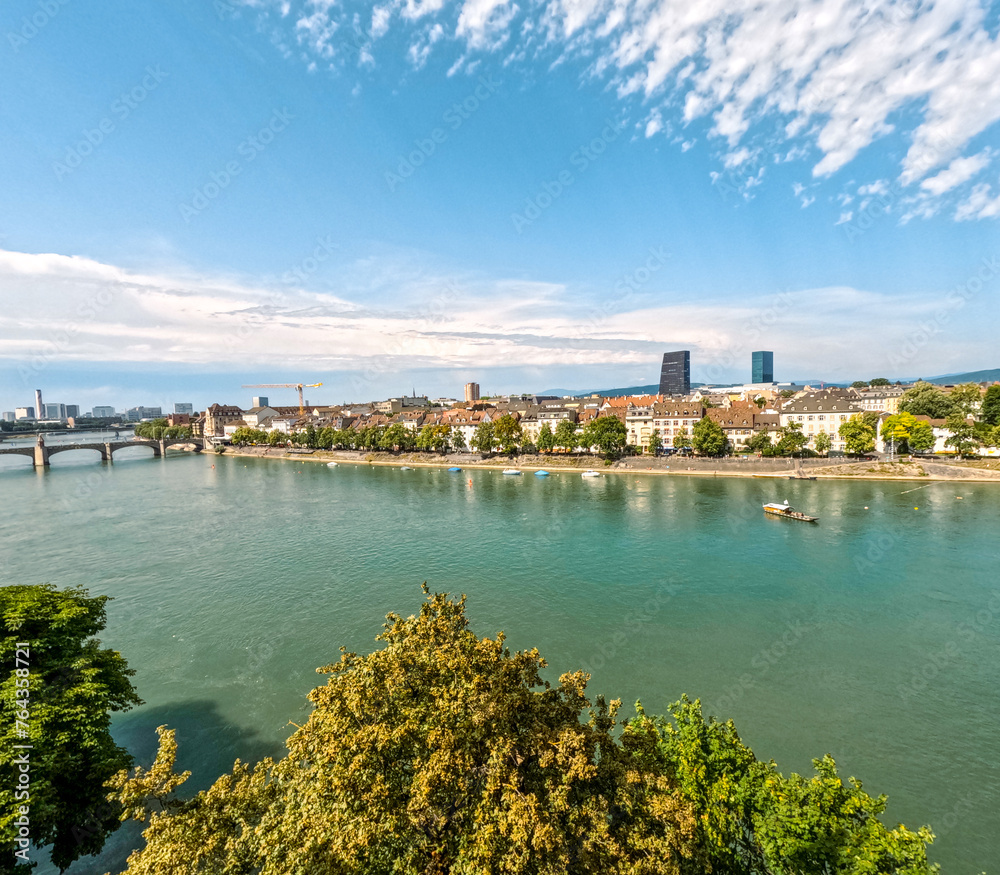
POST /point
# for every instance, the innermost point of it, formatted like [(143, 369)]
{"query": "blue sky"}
[(421, 193)]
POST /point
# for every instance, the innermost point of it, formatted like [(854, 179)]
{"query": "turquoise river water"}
[(874, 635)]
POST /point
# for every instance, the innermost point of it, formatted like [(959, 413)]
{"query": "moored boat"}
[(405, 468), (786, 510), (454, 470), (542, 473), (331, 464), (590, 474), (513, 471)]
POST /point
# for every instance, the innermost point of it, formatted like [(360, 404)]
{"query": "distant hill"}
[(968, 377), (611, 393)]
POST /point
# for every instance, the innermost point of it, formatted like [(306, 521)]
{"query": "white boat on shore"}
[(590, 474), (512, 471)]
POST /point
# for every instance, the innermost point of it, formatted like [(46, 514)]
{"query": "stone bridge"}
[(41, 452)]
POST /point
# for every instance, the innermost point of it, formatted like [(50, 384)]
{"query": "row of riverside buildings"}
[(740, 412)]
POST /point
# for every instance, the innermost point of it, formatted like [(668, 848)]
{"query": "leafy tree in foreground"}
[(440, 753), (754, 821), (682, 440), (446, 753), (655, 441), (822, 443), (483, 439), (73, 685), (708, 438)]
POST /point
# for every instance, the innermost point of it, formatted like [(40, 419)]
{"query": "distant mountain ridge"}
[(990, 375)]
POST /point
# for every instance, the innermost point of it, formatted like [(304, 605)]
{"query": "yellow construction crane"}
[(299, 386)]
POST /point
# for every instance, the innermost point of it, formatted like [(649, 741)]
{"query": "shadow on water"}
[(206, 744)]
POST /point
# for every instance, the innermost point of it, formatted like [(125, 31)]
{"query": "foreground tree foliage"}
[(446, 753), (73, 686)]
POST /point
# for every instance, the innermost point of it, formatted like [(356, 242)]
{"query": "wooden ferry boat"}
[(786, 510)]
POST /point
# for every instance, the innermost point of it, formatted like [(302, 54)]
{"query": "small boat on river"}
[(590, 474), (512, 471), (786, 510), (331, 464)]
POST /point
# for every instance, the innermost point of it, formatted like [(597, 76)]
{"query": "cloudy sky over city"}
[(531, 195)]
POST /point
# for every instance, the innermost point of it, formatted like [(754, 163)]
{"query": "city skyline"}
[(438, 193)]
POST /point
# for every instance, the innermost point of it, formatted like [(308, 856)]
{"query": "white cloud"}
[(879, 186), (981, 204), (960, 170), (845, 217), (832, 72), (63, 309)]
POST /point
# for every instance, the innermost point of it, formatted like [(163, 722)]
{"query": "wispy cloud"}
[(433, 321), (836, 75)]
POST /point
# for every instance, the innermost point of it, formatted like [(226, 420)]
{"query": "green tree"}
[(760, 442), (967, 397), (879, 381), (859, 384), (926, 399), (822, 443), (507, 433), (760, 401), (72, 686), (907, 433), (654, 442), (457, 440), (989, 412), (963, 435), (483, 440), (921, 437), (244, 435), (275, 438), (442, 752), (397, 437), (752, 820), (791, 440), (787, 393), (858, 435), (566, 436), (682, 439), (708, 438), (546, 440), (607, 433)]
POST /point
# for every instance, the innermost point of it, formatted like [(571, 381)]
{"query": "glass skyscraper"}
[(763, 367), (675, 373)]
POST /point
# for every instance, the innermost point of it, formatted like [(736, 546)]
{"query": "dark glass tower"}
[(675, 374), (763, 367)]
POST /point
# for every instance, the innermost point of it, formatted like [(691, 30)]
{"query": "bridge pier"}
[(107, 453), (41, 456)]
